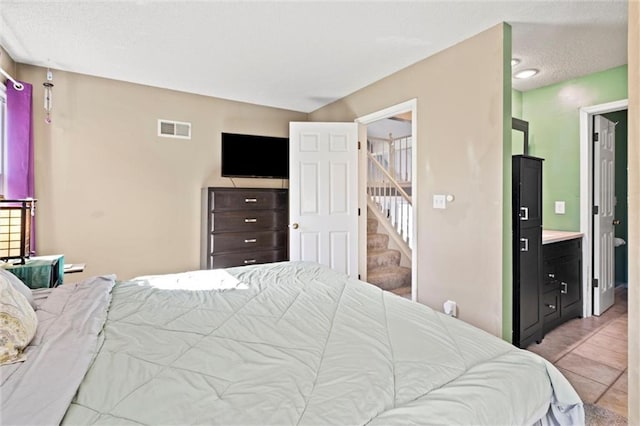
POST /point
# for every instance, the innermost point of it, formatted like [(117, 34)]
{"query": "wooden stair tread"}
[(383, 263), (402, 291)]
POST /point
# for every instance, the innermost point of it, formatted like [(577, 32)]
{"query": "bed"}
[(273, 344)]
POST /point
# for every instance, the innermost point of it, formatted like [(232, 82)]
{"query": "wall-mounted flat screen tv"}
[(253, 156)]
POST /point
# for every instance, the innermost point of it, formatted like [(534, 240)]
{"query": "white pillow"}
[(19, 285), (18, 323)]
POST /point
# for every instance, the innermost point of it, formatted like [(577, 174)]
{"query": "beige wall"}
[(634, 212), (7, 64), (459, 151), (112, 193)]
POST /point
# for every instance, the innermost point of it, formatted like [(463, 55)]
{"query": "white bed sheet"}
[(275, 344)]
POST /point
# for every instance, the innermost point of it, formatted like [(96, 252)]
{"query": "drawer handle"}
[(524, 213), (526, 244), (250, 240), (250, 200), (552, 275), (550, 306), (563, 288), (249, 261), (250, 220)]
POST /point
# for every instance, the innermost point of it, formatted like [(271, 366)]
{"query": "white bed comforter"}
[(297, 343)]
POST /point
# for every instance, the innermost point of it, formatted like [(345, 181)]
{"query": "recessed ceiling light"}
[(515, 62), (526, 73)]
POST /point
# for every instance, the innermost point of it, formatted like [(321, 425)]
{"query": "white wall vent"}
[(174, 129)]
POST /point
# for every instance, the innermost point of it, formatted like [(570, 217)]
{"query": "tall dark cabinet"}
[(527, 250)]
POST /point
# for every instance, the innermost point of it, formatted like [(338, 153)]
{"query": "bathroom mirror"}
[(519, 136)]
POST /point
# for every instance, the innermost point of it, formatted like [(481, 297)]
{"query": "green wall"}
[(621, 231), (517, 137), (553, 113), (516, 104)]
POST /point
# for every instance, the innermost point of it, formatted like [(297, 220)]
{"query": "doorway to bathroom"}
[(620, 237), (602, 204)]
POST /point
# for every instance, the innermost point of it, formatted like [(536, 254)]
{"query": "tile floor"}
[(592, 354)]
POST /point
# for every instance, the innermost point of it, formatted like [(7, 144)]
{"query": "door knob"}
[(616, 221), (294, 226)]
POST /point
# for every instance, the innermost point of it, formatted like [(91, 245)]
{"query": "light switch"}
[(559, 207), (439, 201)]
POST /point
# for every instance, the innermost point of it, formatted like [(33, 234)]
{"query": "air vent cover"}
[(174, 129)]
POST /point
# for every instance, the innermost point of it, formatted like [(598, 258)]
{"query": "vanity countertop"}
[(553, 236)]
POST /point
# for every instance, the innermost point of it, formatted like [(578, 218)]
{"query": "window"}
[(3, 136)]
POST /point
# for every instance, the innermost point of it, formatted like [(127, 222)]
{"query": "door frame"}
[(406, 106), (586, 193)]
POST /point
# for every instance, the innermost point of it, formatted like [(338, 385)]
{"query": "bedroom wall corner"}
[(509, 98), (634, 212), (459, 151), (7, 63), (111, 192)]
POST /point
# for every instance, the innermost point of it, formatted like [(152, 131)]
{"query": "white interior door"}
[(323, 194), (604, 198)]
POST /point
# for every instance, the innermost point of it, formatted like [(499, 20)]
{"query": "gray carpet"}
[(599, 416)]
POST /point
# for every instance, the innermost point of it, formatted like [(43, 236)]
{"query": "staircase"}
[(383, 264)]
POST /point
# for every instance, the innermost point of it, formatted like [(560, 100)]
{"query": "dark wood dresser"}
[(244, 226)]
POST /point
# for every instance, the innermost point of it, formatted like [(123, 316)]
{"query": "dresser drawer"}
[(248, 258), (248, 220), (562, 248), (550, 306), (549, 280), (249, 199), (242, 226), (248, 240)]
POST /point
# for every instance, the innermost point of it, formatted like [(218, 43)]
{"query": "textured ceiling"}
[(300, 55)]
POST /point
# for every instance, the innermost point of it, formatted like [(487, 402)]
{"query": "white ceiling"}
[(387, 127), (300, 55)]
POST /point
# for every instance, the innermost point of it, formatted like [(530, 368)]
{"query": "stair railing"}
[(387, 193), (394, 153)]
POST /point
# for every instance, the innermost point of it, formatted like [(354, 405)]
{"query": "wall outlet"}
[(451, 308), (439, 201), (559, 207)]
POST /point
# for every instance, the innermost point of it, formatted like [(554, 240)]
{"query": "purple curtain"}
[(20, 179)]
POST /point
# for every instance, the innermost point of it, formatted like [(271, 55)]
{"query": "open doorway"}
[(387, 180), (599, 248), (621, 230), (592, 352)]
